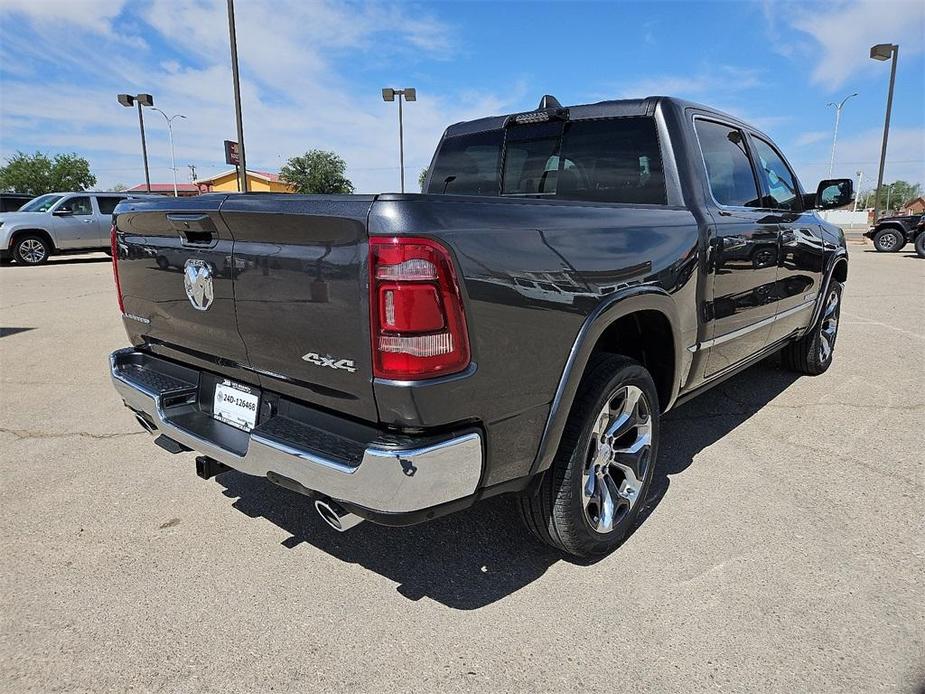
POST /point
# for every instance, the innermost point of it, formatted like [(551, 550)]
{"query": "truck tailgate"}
[(159, 238), (301, 295)]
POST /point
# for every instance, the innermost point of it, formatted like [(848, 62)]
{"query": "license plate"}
[(236, 405)]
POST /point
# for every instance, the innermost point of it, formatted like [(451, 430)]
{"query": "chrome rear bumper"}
[(387, 479)]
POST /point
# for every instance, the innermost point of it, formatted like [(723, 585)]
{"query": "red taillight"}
[(416, 312), (114, 247)]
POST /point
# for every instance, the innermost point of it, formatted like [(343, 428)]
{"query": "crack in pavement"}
[(25, 434)]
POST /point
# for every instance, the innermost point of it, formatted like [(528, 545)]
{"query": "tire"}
[(889, 240), (31, 249), (570, 509), (920, 244), (812, 354)]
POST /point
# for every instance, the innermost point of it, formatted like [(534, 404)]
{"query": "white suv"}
[(57, 223)]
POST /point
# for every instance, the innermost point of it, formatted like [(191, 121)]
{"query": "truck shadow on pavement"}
[(475, 557)]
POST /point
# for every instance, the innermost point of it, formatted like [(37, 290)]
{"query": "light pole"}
[(838, 108), (128, 101), (173, 158), (409, 94), (860, 175), (884, 51)]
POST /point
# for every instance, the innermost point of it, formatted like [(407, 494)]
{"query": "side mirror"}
[(834, 192), (63, 213)]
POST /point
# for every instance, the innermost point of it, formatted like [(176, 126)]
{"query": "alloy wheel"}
[(828, 328), (889, 240), (32, 251), (618, 459)]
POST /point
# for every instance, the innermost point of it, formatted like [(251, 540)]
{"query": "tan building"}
[(916, 206), (257, 181)]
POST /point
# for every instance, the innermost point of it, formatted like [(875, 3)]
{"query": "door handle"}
[(194, 229)]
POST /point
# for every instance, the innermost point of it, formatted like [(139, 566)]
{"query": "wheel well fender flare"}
[(616, 306), (893, 226), (19, 233), (837, 261)]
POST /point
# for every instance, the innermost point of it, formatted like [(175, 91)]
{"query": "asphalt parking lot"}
[(782, 549)]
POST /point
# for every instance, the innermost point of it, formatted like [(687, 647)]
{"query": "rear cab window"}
[(604, 160)]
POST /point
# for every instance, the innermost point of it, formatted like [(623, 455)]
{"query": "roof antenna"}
[(548, 101)]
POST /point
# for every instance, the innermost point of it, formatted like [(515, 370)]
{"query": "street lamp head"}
[(882, 51), (126, 99), (180, 115), (145, 99), (388, 94), (411, 94)]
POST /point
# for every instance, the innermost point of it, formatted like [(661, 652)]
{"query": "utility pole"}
[(242, 166)]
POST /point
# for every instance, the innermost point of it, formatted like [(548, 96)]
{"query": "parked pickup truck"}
[(57, 223), (569, 275)]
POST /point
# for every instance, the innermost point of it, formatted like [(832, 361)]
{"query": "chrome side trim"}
[(386, 480), (726, 337)]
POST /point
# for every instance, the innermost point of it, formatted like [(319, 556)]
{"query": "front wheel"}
[(812, 353), (597, 484), (31, 250), (920, 244), (889, 240)]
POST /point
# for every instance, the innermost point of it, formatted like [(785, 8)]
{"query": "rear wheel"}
[(31, 249), (889, 240), (812, 353), (920, 244), (591, 495)]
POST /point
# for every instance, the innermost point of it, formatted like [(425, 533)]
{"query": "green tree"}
[(892, 195), (119, 187), (37, 174), (422, 177), (317, 171)]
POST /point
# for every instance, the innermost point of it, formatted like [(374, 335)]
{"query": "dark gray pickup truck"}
[(569, 275)]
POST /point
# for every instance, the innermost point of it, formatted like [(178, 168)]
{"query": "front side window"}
[(778, 179), (108, 204), (42, 203), (78, 205), (729, 168)]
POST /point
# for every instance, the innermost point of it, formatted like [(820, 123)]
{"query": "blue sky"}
[(312, 71)]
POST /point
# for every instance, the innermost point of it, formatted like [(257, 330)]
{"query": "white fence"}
[(845, 218)]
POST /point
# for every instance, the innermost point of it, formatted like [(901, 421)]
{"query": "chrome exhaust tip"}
[(336, 516)]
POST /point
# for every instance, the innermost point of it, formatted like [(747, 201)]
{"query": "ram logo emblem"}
[(197, 279)]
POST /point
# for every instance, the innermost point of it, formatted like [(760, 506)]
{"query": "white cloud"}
[(842, 33), (295, 94), (905, 157), (812, 137)]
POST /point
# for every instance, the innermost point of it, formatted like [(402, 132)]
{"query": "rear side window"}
[(108, 204), (729, 168), (778, 179), (607, 160)]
